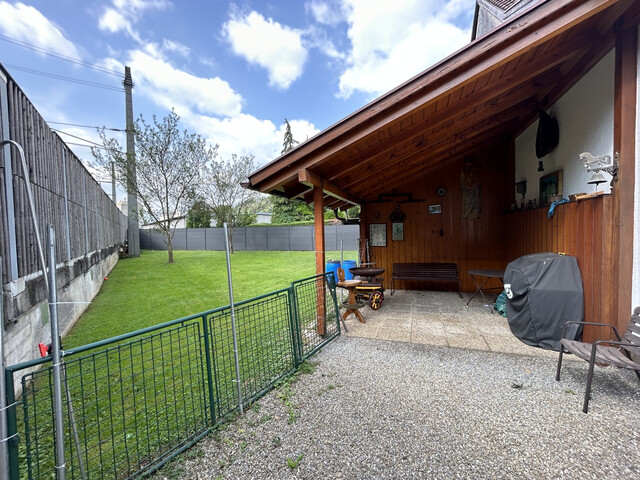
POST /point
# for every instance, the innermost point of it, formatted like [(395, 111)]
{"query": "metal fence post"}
[(12, 426), (294, 326), (233, 319), (56, 359), (207, 356), (4, 460)]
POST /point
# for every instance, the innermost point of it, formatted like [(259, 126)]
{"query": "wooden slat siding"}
[(581, 229), (471, 244), (43, 152)]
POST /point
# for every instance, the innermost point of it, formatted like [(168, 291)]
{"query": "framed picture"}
[(378, 234), (435, 209), (550, 185), (397, 231)]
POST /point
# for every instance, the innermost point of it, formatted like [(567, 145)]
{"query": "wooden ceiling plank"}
[(544, 22), (348, 176), (510, 82), (505, 102), (408, 165)]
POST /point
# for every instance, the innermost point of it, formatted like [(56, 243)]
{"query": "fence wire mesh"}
[(135, 401)]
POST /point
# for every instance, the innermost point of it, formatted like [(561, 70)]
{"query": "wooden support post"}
[(318, 215), (624, 141)]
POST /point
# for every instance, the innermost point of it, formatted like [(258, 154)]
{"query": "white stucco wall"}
[(585, 119), (635, 286)]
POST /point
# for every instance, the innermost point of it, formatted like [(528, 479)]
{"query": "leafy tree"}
[(199, 215), (224, 193), (289, 211), (165, 172)]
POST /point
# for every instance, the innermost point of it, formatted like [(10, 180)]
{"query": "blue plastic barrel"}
[(347, 264), (333, 266)]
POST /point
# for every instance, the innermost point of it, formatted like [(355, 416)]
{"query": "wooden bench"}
[(431, 272)]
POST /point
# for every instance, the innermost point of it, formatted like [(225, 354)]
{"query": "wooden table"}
[(352, 305), (487, 274)]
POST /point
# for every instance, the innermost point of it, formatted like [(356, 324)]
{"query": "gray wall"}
[(273, 238)]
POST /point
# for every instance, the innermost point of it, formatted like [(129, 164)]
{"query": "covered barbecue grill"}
[(544, 290)]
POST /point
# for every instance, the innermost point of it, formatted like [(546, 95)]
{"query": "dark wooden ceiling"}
[(489, 91)]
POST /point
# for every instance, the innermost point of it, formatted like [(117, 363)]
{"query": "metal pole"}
[(56, 359), (4, 452), (233, 317)]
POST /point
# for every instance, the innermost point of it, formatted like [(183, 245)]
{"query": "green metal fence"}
[(133, 402)]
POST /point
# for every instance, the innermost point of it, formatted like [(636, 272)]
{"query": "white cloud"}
[(170, 87), (25, 23), (266, 43), (391, 45), (176, 47), (123, 14), (326, 12), (207, 106), (232, 135)]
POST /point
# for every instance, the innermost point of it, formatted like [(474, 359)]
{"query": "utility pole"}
[(133, 235)]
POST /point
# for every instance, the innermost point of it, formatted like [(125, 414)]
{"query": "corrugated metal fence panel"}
[(197, 238), (273, 238), (257, 239), (240, 239), (180, 240), (277, 238), (215, 238), (349, 235), (330, 235), (301, 238)]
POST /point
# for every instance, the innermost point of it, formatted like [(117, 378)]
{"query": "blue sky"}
[(232, 70)]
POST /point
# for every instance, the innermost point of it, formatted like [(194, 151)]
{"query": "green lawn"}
[(145, 291), (137, 399)]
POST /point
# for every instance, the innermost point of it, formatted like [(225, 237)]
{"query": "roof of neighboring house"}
[(490, 90), (503, 5)]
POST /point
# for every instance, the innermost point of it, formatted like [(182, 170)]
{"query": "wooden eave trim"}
[(534, 27), (308, 178)]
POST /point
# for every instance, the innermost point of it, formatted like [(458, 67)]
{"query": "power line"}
[(91, 146), (67, 79), (75, 136), (87, 126), (60, 56)]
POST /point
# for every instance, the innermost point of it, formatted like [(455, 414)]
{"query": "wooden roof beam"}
[(308, 178)]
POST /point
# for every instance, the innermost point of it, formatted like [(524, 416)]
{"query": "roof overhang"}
[(489, 91)]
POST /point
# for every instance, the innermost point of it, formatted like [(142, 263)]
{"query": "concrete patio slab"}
[(442, 319)]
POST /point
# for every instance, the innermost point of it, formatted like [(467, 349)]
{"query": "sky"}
[(232, 70)]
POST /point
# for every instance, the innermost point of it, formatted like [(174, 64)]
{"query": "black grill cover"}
[(544, 290)]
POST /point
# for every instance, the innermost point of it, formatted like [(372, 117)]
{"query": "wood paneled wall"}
[(445, 237), (582, 229)]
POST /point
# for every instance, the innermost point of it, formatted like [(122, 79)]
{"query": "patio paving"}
[(442, 319)]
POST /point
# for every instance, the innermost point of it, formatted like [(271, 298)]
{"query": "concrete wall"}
[(585, 119), (79, 281)]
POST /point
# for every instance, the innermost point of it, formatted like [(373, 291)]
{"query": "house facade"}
[(449, 151)]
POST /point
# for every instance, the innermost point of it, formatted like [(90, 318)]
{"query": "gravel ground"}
[(376, 409)]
